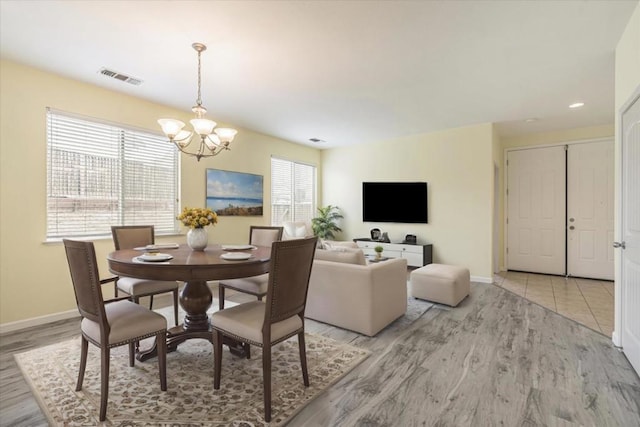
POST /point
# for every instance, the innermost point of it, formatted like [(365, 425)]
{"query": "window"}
[(102, 174), (293, 189)]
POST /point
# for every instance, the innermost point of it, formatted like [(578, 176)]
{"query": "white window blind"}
[(293, 189), (102, 174)]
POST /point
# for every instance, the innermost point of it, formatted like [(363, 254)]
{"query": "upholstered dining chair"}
[(132, 236), (112, 323), (254, 285), (265, 324)]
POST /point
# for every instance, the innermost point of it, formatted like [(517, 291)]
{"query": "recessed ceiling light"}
[(576, 105), (531, 119), (317, 140)]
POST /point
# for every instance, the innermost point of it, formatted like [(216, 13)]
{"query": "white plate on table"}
[(236, 256), (154, 257), (237, 247)]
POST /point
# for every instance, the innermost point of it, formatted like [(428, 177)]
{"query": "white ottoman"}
[(444, 284)]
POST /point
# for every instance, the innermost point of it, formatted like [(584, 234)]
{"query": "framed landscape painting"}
[(234, 193)]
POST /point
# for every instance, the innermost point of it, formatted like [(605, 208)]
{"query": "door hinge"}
[(622, 245), (507, 250)]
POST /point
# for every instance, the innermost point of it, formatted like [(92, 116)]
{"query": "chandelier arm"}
[(182, 143)]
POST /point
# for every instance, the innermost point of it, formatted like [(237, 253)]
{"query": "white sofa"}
[(348, 292)]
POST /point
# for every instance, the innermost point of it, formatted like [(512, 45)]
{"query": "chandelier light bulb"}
[(170, 127), (203, 127), (226, 134)]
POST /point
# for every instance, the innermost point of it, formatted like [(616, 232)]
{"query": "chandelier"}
[(212, 141)]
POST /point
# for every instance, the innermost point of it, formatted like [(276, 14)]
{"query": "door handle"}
[(619, 245)]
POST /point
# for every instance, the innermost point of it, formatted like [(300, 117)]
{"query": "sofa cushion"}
[(295, 230), (343, 254), (337, 245)]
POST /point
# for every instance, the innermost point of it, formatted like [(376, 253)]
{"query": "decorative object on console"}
[(324, 225), (410, 239), (375, 233), (211, 144), (196, 219), (378, 249), (384, 238), (234, 193)]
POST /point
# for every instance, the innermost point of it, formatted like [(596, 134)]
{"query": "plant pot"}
[(197, 239)]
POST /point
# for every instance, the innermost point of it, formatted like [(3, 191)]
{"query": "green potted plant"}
[(324, 225), (378, 250)]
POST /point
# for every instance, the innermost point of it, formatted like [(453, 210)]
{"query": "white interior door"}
[(590, 212), (630, 230), (536, 208)]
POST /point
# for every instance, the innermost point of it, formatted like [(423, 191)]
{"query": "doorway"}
[(560, 210), (629, 244)]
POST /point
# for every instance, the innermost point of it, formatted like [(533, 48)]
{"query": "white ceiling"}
[(346, 72)]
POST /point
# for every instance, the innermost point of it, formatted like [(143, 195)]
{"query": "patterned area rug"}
[(135, 398)]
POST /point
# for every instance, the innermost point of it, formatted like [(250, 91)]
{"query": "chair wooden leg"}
[(220, 297), (266, 381), (161, 343), (247, 348), (84, 347), (175, 307), (303, 358), (137, 301), (132, 354), (104, 381), (217, 359), (150, 302), (115, 289)]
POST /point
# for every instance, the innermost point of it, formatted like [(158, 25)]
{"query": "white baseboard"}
[(615, 337), (481, 279), (37, 321)]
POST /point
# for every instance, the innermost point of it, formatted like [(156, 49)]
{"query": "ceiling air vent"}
[(119, 76)]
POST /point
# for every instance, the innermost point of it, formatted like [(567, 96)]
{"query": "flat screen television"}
[(404, 202)]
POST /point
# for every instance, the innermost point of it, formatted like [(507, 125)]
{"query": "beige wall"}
[(457, 164), (628, 61), (627, 82), (34, 278)]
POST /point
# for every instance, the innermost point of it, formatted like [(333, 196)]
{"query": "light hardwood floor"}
[(496, 359)]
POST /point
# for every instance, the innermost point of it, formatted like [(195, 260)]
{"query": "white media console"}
[(416, 255)]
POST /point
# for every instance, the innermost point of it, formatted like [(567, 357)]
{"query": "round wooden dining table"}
[(194, 268)]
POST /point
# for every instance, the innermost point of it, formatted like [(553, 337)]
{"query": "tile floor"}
[(586, 301)]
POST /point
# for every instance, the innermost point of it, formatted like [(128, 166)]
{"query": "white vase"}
[(197, 239)]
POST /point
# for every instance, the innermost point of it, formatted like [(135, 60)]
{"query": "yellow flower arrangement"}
[(197, 217)]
